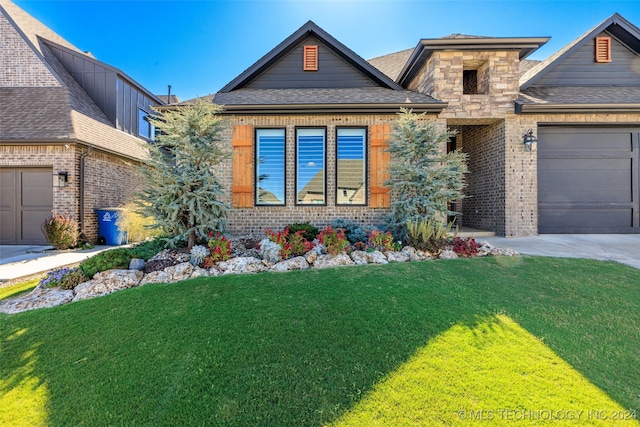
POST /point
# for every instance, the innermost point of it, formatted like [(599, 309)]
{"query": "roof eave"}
[(521, 108), (391, 108)]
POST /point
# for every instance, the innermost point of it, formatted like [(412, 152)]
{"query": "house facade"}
[(309, 123), (72, 130)]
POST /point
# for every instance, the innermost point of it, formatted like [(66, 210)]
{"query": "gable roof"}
[(41, 100), (309, 29), (615, 24), (540, 91), (425, 48), (380, 94)]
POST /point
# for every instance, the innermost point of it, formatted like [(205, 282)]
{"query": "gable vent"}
[(603, 49), (310, 60)]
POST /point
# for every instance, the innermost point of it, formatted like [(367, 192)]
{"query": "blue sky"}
[(199, 46)]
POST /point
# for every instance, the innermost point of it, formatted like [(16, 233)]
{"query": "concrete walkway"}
[(624, 248), (23, 261)]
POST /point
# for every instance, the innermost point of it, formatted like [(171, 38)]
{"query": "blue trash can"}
[(108, 231)]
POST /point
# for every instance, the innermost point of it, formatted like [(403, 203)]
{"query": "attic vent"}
[(603, 49), (310, 60)]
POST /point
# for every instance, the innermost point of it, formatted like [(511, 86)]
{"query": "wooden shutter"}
[(379, 160), (242, 183), (603, 49), (310, 60)]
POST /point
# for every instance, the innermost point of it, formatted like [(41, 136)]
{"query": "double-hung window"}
[(270, 167), (310, 166), (350, 166)]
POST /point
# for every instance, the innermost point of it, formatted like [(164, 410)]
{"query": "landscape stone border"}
[(110, 281)]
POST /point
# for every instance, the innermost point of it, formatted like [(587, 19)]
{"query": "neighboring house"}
[(321, 117), (72, 130)]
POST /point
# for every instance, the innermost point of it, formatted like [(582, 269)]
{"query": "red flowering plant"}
[(291, 244), (381, 241), (219, 247), (465, 247), (334, 240)]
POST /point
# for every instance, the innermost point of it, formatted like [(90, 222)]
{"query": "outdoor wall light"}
[(530, 141), (60, 179)]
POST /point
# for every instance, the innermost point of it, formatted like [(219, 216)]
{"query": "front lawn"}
[(485, 341)]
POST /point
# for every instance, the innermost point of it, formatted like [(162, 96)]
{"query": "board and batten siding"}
[(333, 71), (581, 69)]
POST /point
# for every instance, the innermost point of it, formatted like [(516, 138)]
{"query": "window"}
[(310, 170), (470, 82), (270, 167), (145, 128), (350, 166)]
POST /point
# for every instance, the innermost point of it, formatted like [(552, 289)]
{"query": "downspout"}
[(81, 189)]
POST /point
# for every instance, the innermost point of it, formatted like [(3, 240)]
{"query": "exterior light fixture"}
[(60, 179), (530, 141)]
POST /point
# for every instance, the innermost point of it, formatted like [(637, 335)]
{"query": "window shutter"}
[(242, 182), (310, 60), (603, 49), (379, 162)]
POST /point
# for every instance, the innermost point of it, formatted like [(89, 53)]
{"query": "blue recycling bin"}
[(108, 231)]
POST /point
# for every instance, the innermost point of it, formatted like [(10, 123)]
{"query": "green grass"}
[(18, 289), (422, 344)]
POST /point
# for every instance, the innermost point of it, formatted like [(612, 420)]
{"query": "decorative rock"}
[(213, 272), (487, 248), (415, 255), (136, 264), (295, 263), (448, 254), (311, 257), (242, 265), (199, 272), (38, 298), (269, 251), (180, 272), (107, 282), (397, 256), (364, 257), (156, 277), (333, 261)]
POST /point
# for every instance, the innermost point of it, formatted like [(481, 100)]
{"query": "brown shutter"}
[(242, 183), (310, 61), (603, 49), (379, 159)]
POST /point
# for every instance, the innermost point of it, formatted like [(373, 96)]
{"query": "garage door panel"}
[(31, 222), (587, 181), (561, 221)]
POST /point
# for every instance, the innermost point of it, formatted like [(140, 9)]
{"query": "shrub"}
[(465, 247), (334, 240), (353, 231), (61, 231), (107, 260), (139, 227), (198, 254), (310, 232), (428, 235), (290, 244), (66, 278), (148, 249), (382, 241), (219, 248)]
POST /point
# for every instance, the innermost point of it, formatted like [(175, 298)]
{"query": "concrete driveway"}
[(624, 248)]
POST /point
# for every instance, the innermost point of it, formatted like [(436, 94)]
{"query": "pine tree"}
[(423, 179), (182, 191)]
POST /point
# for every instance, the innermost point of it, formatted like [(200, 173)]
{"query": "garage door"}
[(588, 180), (26, 199)]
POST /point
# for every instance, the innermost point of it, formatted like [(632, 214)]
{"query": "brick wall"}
[(109, 180), (258, 218)]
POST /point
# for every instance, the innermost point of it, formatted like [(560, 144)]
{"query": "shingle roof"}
[(51, 105), (391, 64)]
